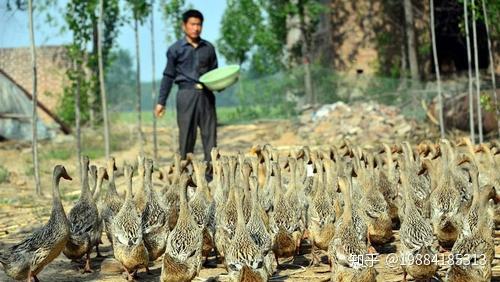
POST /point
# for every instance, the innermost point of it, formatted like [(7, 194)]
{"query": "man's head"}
[(192, 23)]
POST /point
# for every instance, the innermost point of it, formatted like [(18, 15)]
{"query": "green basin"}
[(221, 78)]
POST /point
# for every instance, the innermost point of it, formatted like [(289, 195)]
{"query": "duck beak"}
[(66, 176)]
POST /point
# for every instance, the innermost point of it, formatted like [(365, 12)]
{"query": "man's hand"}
[(159, 110)]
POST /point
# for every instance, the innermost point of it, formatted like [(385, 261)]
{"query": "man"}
[(188, 59)]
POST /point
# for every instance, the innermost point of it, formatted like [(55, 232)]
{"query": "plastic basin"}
[(221, 78)]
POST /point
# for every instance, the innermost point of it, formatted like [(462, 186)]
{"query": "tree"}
[(153, 90), (140, 10), (436, 67), (471, 97), (81, 17), (240, 23), (78, 120), (308, 12), (172, 13), (101, 78), (411, 40), (492, 65), (478, 85), (34, 118)]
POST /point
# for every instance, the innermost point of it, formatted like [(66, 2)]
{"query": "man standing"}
[(188, 59)]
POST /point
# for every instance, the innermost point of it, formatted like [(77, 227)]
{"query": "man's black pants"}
[(196, 108)]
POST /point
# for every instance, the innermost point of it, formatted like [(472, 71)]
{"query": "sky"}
[(14, 33)]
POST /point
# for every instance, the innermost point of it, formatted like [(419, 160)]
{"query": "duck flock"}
[(343, 200)]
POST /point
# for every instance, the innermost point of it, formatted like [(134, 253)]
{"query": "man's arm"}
[(168, 78), (214, 63)]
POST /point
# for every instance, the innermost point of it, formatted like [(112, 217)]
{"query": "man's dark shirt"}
[(185, 64)]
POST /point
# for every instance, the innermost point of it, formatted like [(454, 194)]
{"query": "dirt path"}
[(20, 212)]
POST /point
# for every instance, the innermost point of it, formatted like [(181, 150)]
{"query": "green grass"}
[(29, 170), (225, 115), (59, 153), (4, 174)]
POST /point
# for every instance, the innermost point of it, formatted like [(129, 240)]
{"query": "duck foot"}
[(148, 271), (443, 249), (87, 268)]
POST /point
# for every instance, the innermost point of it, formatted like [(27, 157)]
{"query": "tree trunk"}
[(153, 90), (412, 43), (34, 118), (492, 66), (92, 95), (307, 81), (306, 56), (471, 96), (77, 120), (478, 85), (436, 66), (138, 88), (101, 78)]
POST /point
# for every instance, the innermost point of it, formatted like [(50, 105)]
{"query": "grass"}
[(59, 153), (4, 174), (29, 170), (225, 115)]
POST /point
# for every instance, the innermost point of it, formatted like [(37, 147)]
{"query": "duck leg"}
[(99, 255), (297, 249), (87, 268), (277, 261), (315, 258), (129, 276)]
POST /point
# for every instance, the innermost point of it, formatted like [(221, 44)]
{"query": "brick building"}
[(52, 63)]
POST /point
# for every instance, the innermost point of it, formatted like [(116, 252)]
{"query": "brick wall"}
[(52, 64)]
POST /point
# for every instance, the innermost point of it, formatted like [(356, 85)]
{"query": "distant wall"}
[(52, 63)]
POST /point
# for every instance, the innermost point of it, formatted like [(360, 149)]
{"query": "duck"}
[(388, 184), (26, 259), (101, 175), (420, 183), (93, 178), (474, 250), (417, 238), (257, 227), (373, 206), (203, 208), (244, 258), (446, 203), (84, 223), (112, 201), (322, 215), (128, 242), (346, 245), (284, 222), (183, 253), (154, 218), (227, 215), (140, 196), (171, 195)]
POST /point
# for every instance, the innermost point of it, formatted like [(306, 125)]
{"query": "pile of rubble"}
[(362, 123)]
